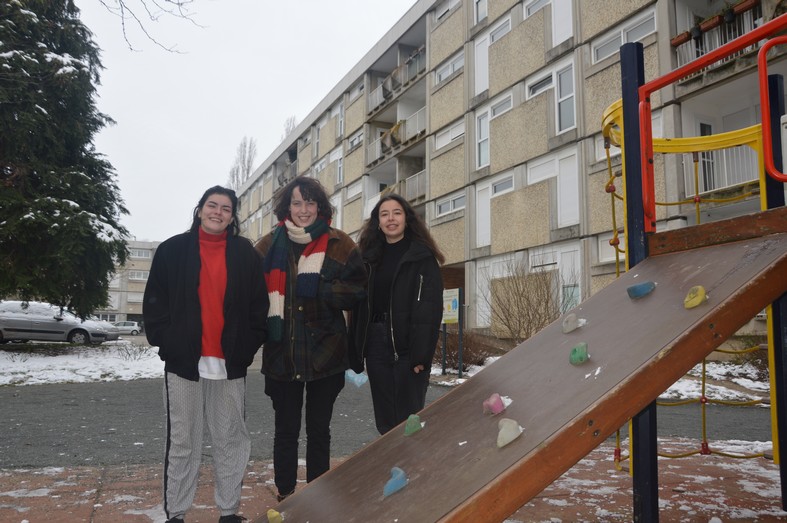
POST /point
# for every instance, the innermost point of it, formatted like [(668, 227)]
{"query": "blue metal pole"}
[(644, 458), (774, 195)]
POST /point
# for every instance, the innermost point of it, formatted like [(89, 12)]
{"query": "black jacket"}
[(416, 309), (171, 306)]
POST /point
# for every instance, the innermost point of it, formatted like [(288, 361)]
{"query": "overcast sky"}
[(181, 116)]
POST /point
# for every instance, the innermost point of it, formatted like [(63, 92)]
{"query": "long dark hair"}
[(233, 229), (372, 238), (311, 189)]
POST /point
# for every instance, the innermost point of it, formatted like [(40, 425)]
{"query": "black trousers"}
[(287, 397), (397, 391)]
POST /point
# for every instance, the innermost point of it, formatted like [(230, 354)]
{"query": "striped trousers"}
[(190, 406)]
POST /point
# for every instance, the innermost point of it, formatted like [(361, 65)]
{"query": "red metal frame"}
[(646, 138), (767, 144)]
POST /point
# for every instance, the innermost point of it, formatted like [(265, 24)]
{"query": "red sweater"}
[(212, 285)]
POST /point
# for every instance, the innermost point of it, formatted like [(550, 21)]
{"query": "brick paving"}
[(694, 489)]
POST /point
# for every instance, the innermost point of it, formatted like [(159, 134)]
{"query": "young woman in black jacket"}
[(397, 327)]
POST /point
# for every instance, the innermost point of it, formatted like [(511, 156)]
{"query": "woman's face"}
[(392, 220), (303, 212), (216, 214)]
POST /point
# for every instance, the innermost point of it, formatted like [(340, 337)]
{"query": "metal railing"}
[(413, 67), (415, 185), (415, 124), (721, 29), (720, 169)]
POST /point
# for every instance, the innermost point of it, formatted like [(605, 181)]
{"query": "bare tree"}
[(522, 302), (140, 13), (289, 126), (243, 167)]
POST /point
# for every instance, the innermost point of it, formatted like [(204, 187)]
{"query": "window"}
[(355, 140), (539, 86), (450, 134), (444, 7), (482, 140), (503, 186), (563, 166), (356, 91), (451, 204), (354, 189), (480, 10), (535, 6), (139, 253), (565, 103), (134, 297), (320, 167), (502, 106), (500, 31), (633, 31), (339, 171), (138, 275), (562, 77), (446, 70)]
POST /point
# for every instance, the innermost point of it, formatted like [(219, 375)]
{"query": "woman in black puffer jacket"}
[(395, 330)]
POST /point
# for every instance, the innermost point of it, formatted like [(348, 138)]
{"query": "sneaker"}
[(232, 519)]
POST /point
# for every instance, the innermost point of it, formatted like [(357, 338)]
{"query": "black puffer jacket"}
[(416, 309), (171, 308)]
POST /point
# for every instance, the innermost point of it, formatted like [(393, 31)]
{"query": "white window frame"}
[(356, 91), (452, 203), (443, 8), (622, 35), (449, 134), (134, 252), (453, 64), (554, 166), (502, 186), (501, 106), (500, 30), (135, 297), (542, 83), (354, 189), (355, 140), (482, 143), (535, 6), (138, 275), (480, 10)]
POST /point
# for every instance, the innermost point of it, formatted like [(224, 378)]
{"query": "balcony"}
[(415, 186), (719, 169), (401, 77), (715, 31)]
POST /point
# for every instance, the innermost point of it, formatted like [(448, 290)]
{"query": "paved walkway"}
[(694, 489)]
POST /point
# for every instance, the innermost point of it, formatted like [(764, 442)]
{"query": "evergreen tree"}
[(60, 207)]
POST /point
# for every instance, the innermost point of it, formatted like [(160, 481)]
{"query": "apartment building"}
[(127, 287), (487, 116)]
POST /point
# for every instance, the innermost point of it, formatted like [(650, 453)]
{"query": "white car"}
[(128, 327), (33, 320)]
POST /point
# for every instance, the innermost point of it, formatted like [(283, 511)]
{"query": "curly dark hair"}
[(311, 189), (233, 229), (372, 238)]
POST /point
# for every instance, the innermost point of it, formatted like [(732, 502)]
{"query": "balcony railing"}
[(720, 169), (415, 124), (415, 185), (374, 151), (715, 32), (400, 77)]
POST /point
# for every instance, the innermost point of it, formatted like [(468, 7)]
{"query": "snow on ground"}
[(33, 364)]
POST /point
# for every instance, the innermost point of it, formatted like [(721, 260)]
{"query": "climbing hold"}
[(640, 289), (509, 430), (696, 296), (412, 425), (579, 354), (494, 404), (397, 482), (274, 516), (572, 323)]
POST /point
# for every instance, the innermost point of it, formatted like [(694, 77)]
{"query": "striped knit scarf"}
[(315, 236)]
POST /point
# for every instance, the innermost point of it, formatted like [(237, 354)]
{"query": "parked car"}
[(128, 327), (113, 333), (33, 320)]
